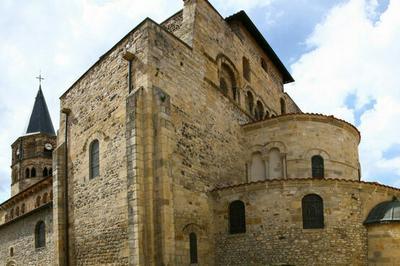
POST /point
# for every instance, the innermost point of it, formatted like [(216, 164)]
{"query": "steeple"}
[(40, 120)]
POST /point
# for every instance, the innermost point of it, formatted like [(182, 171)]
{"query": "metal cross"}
[(40, 79)]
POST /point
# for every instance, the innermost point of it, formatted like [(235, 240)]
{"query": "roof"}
[(385, 212), (246, 21), (40, 120)]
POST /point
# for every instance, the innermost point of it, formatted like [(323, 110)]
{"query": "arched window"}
[(40, 235), (94, 159), (259, 112), (193, 247), (313, 211), (27, 173), (249, 102), (45, 172), (237, 217), (33, 172), (11, 252), (317, 164), (283, 106), (227, 82)]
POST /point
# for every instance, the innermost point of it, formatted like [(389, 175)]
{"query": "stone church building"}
[(179, 146)]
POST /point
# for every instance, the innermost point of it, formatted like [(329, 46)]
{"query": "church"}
[(180, 146)]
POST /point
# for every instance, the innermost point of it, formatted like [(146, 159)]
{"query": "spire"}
[(40, 120)]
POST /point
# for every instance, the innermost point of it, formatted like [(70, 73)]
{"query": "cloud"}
[(354, 53)]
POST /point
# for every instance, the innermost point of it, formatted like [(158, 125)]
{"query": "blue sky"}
[(343, 55)]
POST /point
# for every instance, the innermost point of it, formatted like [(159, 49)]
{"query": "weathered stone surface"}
[(206, 115)]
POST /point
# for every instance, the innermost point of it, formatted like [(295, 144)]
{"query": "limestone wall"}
[(383, 244), (20, 236), (98, 207), (204, 146), (274, 229), (299, 137)]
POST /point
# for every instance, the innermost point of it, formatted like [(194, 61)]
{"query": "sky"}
[(343, 54)]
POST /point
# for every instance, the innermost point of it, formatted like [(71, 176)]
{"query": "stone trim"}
[(283, 182)]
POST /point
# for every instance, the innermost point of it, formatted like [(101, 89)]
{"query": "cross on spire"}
[(40, 78)]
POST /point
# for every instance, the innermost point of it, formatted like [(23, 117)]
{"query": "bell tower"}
[(32, 152)]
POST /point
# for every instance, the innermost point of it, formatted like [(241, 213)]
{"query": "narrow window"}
[(33, 172), (249, 102), (23, 208), (283, 106), (40, 235), (12, 214), (317, 164), (259, 112), (193, 247), (264, 65), (246, 69), (237, 217), (17, 212), (11, 252), (313, 211), (45, 172), (27, 173), (94, 159)]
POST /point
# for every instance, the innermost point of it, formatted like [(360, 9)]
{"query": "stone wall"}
[(98, 207), (383, 244), (274, 229), (20, 236), (301, 136)]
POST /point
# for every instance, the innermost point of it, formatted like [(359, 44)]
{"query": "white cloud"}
[(355, 51)]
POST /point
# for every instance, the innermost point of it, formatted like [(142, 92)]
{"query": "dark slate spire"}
[(40, 120)]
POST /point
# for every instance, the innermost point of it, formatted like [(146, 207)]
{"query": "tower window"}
[(193, 247), (313, 211), (237, 217), (27, 173), (11, 252), (40, 235), (94, 159), (317, 164)]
